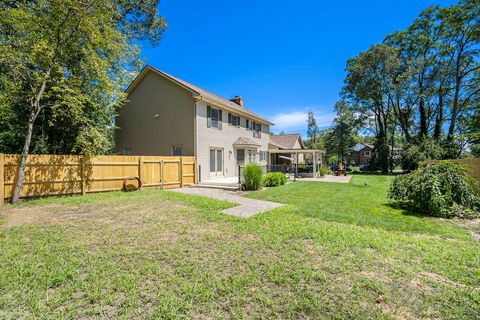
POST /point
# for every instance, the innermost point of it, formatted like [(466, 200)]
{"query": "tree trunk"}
[(423, 118), (23, 158), (455, 106), (36, 108), (453, 121), (439, 120)]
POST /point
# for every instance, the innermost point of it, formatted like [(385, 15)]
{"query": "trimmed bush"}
[(274, 179), (252, 174), (443, 189)]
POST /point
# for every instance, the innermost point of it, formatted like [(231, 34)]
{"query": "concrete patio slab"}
[(247, 207)]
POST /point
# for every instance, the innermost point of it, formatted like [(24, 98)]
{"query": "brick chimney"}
[(238, 100)]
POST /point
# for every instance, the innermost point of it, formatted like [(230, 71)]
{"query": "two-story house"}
[(165, 115), (360, 154)]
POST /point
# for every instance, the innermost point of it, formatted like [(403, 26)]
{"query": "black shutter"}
[(209, 116), (220, 119), (230, 118)]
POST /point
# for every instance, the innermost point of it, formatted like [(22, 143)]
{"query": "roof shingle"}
[(202, 92), (242, 141), (287, 140)]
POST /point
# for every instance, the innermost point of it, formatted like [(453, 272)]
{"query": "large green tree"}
[(341, 137), (72, 59), (372, 83), (423, 82), (312, 128)]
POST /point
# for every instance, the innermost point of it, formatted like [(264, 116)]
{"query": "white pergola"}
[(317, 155)]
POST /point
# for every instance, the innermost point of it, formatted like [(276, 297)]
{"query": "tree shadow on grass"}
[(406, 210)]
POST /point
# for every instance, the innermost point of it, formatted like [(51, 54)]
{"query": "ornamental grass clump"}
[(252, 175), (443, 189), (322, 171)]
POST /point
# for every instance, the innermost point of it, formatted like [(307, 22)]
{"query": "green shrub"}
[(252, 174), (274, 179), (443, 189), (323, 171)]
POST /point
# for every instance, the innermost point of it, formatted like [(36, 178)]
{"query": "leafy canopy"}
[(68, 61)]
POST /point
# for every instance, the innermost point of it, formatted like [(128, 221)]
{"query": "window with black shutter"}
[(214, 118)]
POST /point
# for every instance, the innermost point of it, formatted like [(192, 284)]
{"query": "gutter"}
[(197, 98)]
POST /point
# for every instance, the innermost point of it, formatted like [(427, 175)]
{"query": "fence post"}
[(140, 169), (83, 186), (181, 172), (195, 172), (2, 179)]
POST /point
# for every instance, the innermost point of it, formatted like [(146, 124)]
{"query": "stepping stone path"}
[(247, 207)]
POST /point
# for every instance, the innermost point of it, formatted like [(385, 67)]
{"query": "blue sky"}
[(283, 57)]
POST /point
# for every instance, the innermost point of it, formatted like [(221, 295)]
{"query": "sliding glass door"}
[(216, 161)]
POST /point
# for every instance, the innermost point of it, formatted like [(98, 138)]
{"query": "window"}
[(127, 151), (212, 160), (233, 120), (255, 127), (240, 155), (248, 124), (216, 161), (367, 153), (263, 155), (219, 160), (176, 150), (252, 155), (214, 118), (257, 130)]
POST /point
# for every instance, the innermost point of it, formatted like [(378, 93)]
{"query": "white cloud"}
[(296, 121)]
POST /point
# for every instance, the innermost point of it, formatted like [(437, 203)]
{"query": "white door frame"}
[(216, 172)]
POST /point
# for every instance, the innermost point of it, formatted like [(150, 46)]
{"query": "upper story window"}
[(257, 131), (233, 120), (255, 127), (367, 153), (214, 118)]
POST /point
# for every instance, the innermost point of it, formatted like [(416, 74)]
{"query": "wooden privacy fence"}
[(472, 163), (47, 175)]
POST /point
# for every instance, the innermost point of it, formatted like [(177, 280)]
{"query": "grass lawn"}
[(335, 251)]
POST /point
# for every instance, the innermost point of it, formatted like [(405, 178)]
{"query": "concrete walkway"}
[(328, 178), (247, 207)]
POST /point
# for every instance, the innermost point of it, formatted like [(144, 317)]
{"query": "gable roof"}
[(287, 141), (360, 146), (196, 91), (242, 141)]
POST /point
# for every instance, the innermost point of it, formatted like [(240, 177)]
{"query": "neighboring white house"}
[(165, 115)]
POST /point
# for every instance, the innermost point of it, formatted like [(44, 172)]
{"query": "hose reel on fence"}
[(131, 187)]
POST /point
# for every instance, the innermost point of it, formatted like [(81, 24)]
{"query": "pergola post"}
[(314, 163)]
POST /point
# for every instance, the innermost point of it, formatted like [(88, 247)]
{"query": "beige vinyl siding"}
[(146, 134), (214, 138)]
